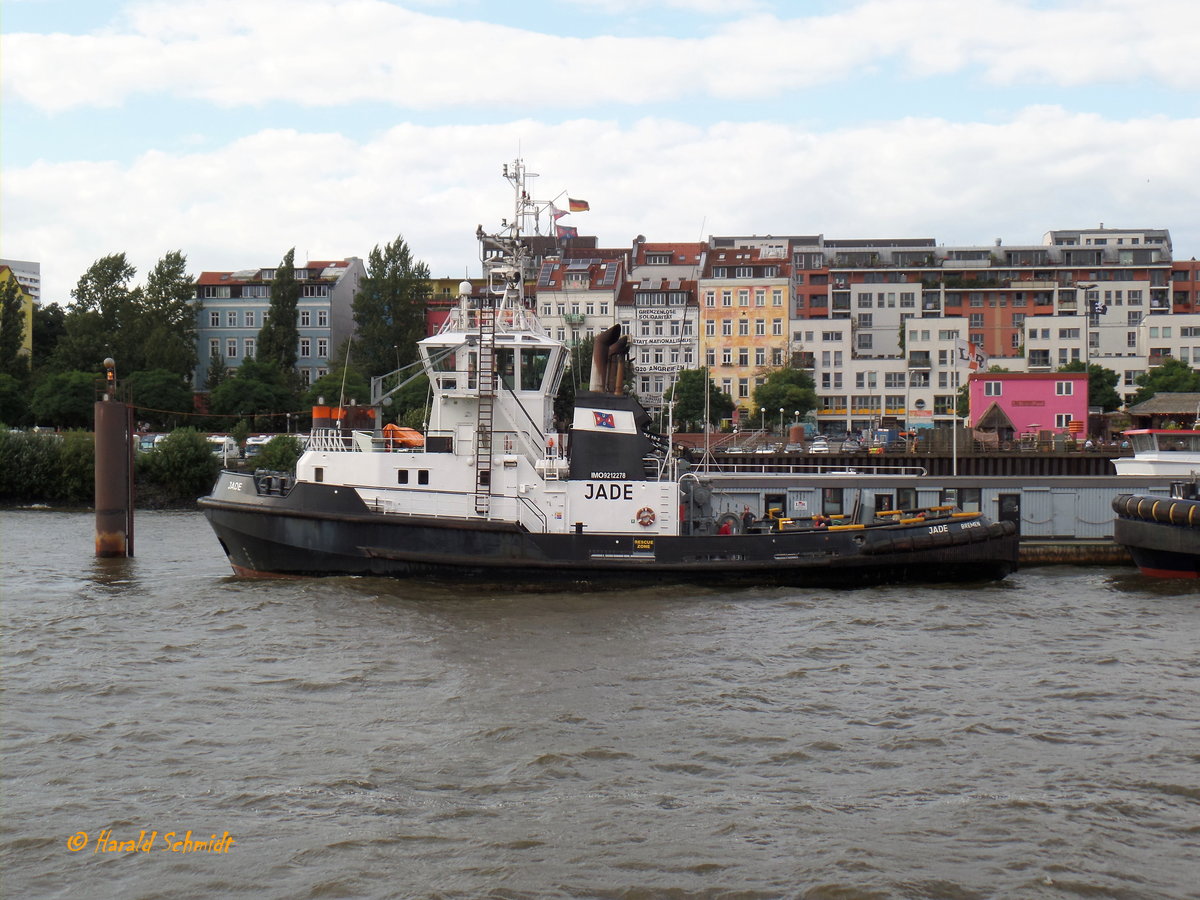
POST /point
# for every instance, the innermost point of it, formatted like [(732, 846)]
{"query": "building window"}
[(214, 347), (1062, 420), (231, 318), (322, 347), (1064, 388), (305, 318), (250, 318), (249, 348), (305, 348), (231, 348), (992, 388), (322, 318), (214, 319)]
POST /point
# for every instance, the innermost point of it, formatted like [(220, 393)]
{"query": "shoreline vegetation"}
[(57, 469)]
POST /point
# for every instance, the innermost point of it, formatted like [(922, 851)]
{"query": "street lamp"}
[(762, 411), (1091, 307), (781, 421)]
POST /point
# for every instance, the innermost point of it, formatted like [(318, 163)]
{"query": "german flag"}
[(577, 205)]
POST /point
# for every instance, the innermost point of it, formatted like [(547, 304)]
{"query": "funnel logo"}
[(604, 420)]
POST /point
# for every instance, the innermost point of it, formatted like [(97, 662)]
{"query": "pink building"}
[(1015, 403)]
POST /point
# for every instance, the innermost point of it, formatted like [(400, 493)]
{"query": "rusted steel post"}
[(114, 487)]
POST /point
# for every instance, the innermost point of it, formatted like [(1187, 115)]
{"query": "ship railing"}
[(335, 440), (814, 469), (530, 512)]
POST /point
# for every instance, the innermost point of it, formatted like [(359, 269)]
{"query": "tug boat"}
[(1162, 534), (497, 494)]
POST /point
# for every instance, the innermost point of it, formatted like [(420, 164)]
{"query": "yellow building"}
[(6, 275), (744, 316)]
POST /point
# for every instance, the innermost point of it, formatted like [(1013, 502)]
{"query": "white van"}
[(224, 446)]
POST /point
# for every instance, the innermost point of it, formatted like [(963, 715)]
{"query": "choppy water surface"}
[(369, 738)]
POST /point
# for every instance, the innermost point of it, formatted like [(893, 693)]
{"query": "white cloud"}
[(330, 52), (246, 203)]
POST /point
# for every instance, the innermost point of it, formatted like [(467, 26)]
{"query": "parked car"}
[(794, 448), (819, 445), (850, 445)]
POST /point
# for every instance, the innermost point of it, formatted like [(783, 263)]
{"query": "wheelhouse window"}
[(534, 361)]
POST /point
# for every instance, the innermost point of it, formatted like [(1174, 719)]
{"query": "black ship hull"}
[(325, 530), (1162, 535)]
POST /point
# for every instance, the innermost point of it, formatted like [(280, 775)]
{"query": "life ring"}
[(645, 517)]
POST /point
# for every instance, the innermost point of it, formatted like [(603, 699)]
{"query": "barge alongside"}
[(499, 495)]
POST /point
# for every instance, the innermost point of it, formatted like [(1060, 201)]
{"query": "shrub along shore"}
[(58, 468)]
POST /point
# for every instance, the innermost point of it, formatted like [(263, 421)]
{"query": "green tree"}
[(278, 337), (65, 399), (162, 398), (1102, 384), (93, 324), (14, 408), (280, 453), (331, 385), (165, 323), (688, 396), (791, 390), (389, 309), (49, 327), (183, 464), (12, 328), (1172, 377), (258, 389), (239, 432), (76, 481), (217, 371)]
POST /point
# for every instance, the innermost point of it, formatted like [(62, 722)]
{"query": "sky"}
[(233, 130)]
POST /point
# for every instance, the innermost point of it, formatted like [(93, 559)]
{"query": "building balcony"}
[(573, 318)]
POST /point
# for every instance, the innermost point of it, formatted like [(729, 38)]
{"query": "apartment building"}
[(7, 273), (576, 294), (28, 275), (660, 316), (233, 307), (743, 314)]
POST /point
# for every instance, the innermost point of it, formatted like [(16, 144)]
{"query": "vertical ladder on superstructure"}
[(487, 398)]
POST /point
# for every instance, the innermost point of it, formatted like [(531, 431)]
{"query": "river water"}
[(346, 738)]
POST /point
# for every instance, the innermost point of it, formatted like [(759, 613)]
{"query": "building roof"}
[(1181, 403), (1026, 376), (683, 253)]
